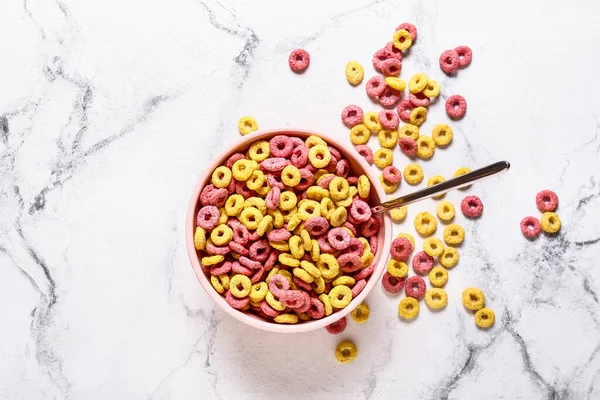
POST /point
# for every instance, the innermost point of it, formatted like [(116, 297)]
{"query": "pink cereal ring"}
[(211, 196), (253, 236), (401, 248), (299, 60), (472, 207), (304, 307), (339, 238), (404, 109), (208, 217), (352, 115), (324, 183), (379, 57), (281, 146), (365, 152), (268, 310), (375, 86), (348, 225), (410, 28), (546, 201), (278, 285), (415, 287), (371, 227), (233, 158), (259, 251), (349, 262), (408, 146), (392, 284), (271, 260), (301, 284), (390, 97), (530, 227), (231, 187), (364, 273), (464, 55), (273, 197), (248, 263), (258, 275), (337, 327), (324, 245), (279, 235), (242, 189), (335, 153), (360, 210), (392, 174), (275, 164), (221, 269), (391, 67), (316, 226), (353, 221), (240, 234), (352, 180), (274, 180), (449, 61), (220, 250), (358, 287), (373, 242), (235, 302), (355, 246), (392, 51), (238, 248), (332, 165), (316, 309), (297, 141), (419, 100), (299, 156), (456, 106), (422, 263), (342, 168), (388, 119)]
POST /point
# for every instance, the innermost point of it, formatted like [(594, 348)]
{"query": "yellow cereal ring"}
[(221, 177), (432, 89), (234, 205), (317, 193), (265, 225), (258, 292), (366, 245), (313, 140), (398, 214), (302, 274), (345, 202), (408, 308), (296, 221), (256, 202), (550, 222), (417, 82), (315, 252), (388, 187), (310, 207), (288, 214), (224, 279), (280, 246), (287, 200), (310, 268), (240, 286), (277, 218), (212, 260), (407, 236), (473, 298), (425, 147), (461, 171), (413, 174), (200, 238), (340, 296), (485, 318), (327, 207), (259, 151), (387, 138), (454, 234), (367, 258), (338, 217), (250, 218), (286, 319), (339, 188), (383, 158), (290, 176), (302, 316), (397, 268), (449, 257), (328, 265), (402, 40), (325, 300), (425, 223), (445, 211), (296, 247), (354, 72), (319, 156), (346, 352), (434, 180), (418, 115), (264, 189), (363, 187), (214, 281), (433, 247), (360, 314), (359, 134), (442, 134), (242, 169), (221, 235), (276, 305), (319, 285), (408, 130), (324, 176), (306, 240), (343, 280), (287, 259), (395, 83), (436, 298), (247, 125), (371, 121), (438, 276)]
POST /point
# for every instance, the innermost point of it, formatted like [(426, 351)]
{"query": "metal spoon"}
[(446, 186)]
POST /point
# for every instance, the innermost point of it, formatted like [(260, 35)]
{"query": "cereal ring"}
[(328, 265), (208, 217), (287, 200), (296, 247), (383, 157), (409, 237), (409, 131), (316, 309), (319, 156), (281, 146), (354, 73), (365, 152), (454, 234), (388, 139), (220, 250), (449, 61), (234, 205), (310, 268), (415, 287), (242, 169), (425, 147), (258, 292), (375, 86), (547, 201), (259, 151), (449, 257), (435, 180), (425, 223), (464, 55), (485, 318), (434, 247), (358, 287), (214, 281), (404, 109), (299, 156), (472, 207), (359, 134), (371, 122), (199, 238), (402, 39), (273, 198), (299, 60), (408, 146), (445, 211), (410, 28), (401, 248), (399, 213), (473, 298), (349, 262), (339, 188), (290, 176), (339, 238), (221, 235), (276, 305), (432, 89), (336, 327), (392, 284), (417, 82), (379, 57), (343, 280), (221, 177), (530, 227), (395, 83), (340, 296), (310, 207), (363, 187), (256, 180), (346, 352), (413, 174), (442, 134), (235, 302), (418, 116), (212, 196), (316, 226), (233, 158), (550, 222), (456, 106), (392, 174), (397, 269), (247, 125), (390, 51), (286, 319), (250, 218), (436, 298), (461, 171), (408, 308), (295, 299), (267, 309), (240, 286), (314, 140), (273, 164), (360, 314), (388, 120), (422, 263), (352, 116), (391, 67), (360, 211), (438, 276)]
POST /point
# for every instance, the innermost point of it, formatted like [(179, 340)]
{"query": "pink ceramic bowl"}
[(357, 165)]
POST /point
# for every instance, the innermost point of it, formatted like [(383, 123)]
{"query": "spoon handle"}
[(441, 188)]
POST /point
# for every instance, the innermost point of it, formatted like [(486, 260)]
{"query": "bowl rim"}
[(303, 326)]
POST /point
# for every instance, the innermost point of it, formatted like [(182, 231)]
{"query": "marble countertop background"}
[(110, 110)]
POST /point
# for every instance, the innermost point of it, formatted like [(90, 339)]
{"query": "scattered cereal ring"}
[(425, 147), (359, 134), (408, 146), (442, 134), (299, 60), (365, 152), (391, 67), (395, 83), (438, 276), (432, 89), (354, 73), (449, 61), (531, 227), (418, 115), (392, 284), (383, 157), (247, 125), (454, 234), (375, 86), (413, 174), (338, 326), (340, 296), (449, 257), (408, 236), (546, 200), (436, 298), (371, 122), (392, 174), (456, 106), (409, 130), (401, 248), (417, 82), (472, 207), (485, 318), (419, 99), (387, 138), (410, 28), (396, 268), (464, 55), (402, 39), (473, 298), (360, 314), (426, 224), (550, 222), (422, 263), (408, 308), (435, 180), (388, 120), (346, 352), (461, 171), (388, 187), (352, 116), (390, 51), (434, 247), (380, 56), (399, 213), (404, 109), (415, 287)]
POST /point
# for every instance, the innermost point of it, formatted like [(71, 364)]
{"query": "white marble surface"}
[(109, 110)]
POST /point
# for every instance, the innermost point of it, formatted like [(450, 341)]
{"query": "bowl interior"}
[(357, 166)]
